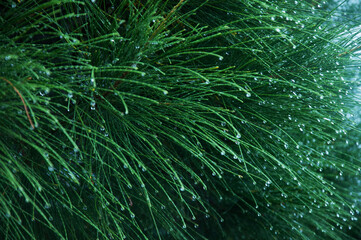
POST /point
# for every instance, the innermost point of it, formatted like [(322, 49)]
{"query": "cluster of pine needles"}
[(178, 119)]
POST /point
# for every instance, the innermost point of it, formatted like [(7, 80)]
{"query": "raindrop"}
[(92, 105)]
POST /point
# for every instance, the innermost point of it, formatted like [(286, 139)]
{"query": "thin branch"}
[(160, 27), (115, 84), (350, 51), (22, 99)]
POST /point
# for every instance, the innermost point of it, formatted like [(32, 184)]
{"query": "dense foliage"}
[(178, 119)]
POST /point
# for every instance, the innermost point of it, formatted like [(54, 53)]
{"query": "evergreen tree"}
[(178, 119)]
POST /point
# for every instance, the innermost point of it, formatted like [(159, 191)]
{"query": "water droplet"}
[(92, 105), (70, 95), (248, 94), (51, 168)]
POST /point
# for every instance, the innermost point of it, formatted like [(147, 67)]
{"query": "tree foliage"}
[(164, 119)]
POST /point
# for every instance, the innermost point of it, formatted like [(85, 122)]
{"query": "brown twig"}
[(350, 51), (115, 85), (22, 99), (159, 28)]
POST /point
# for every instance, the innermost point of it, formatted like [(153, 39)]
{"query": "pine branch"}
[(22, 99)]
